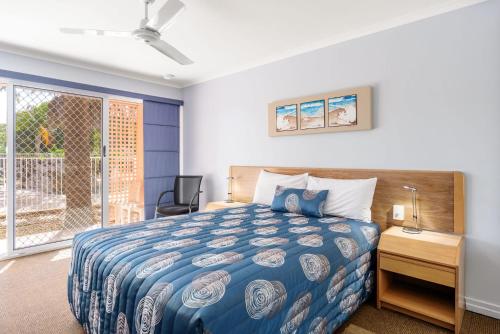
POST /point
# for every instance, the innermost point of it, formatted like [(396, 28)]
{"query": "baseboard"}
[(482, 307)]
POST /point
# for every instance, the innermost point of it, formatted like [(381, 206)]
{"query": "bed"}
[(236, 270)]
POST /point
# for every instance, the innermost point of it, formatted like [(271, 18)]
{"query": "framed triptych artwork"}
[(343, 110)]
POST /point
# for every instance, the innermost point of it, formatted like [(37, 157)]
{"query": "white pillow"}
[(267, 182), (346, 198)]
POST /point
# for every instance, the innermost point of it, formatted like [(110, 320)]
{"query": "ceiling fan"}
[(149, 30)]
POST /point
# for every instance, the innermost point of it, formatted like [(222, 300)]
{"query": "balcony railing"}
[(39, 182)]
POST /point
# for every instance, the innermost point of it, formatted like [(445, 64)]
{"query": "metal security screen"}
[(58, 179)]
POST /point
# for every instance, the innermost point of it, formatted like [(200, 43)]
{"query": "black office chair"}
[(186, 197)]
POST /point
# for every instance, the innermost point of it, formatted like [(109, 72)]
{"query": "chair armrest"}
[(192, 199), (161, 195)]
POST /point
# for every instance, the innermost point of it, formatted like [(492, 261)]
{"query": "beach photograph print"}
[(312, 115), (286, 118), (342, 111)]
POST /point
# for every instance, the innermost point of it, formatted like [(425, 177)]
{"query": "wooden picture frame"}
[(352, 109)]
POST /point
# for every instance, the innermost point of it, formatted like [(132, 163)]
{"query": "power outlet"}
[(398, 212)]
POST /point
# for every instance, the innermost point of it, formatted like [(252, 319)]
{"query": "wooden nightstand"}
[(223, 205), (421, 275)]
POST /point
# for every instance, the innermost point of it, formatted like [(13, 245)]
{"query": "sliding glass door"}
[(70, 161), (58, 165), (3, 169)]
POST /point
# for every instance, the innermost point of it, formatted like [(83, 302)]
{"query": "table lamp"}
[(229, 198), (416, 229)]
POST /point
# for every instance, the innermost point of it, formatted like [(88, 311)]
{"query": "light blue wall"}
[(161, 152), (436, 107)]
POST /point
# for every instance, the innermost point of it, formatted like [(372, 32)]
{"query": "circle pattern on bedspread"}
[(223, 242), (98, 238), (274, 257), (316, 267), (122, 324), (197, 224), (318, 326), (122, 248), (168, 244), (186, 231), (350, 301), (112, 284), (203, 217), (271, 221), (160, 224), (231, 223), (292, 203), (264, 298), (236, 216), (206, 289), (336, 284), (145, 234), (262, 210), (311, 240), (237, 210), (296, 314), (363, 264), (207, 260), (348, 247), (304, 229), (234, 230), (157, 263), (329, 220), (150, 308), (268, 241), (340, 227), (266, 230), (299, 221), (94, 318), (369, 282), (292, 214), (370, 234), (264, 215)]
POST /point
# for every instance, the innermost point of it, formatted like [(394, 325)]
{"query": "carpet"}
[(353, 329)]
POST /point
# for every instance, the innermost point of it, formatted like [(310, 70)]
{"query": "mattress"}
[(239, 270)]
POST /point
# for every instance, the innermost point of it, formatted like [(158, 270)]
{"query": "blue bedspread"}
[(241, 270)]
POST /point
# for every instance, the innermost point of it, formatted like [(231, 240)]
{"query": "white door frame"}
[(11, 147)]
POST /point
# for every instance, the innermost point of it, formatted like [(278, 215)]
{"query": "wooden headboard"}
[(440, 196)]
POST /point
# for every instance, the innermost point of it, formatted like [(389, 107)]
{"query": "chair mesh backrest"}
[(184, 189)]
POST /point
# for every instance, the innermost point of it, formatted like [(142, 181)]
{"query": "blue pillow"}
[(303, 201)]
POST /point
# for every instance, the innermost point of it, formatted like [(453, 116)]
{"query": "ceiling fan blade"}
[(95, 32), (166, 15), (171, 52)]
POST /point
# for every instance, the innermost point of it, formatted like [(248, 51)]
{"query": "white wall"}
[(436, 107), (24, 64)]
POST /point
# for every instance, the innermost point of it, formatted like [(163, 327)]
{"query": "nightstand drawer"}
[(418, 269)]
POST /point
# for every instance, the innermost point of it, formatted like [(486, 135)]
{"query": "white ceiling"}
[(221, 36)]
